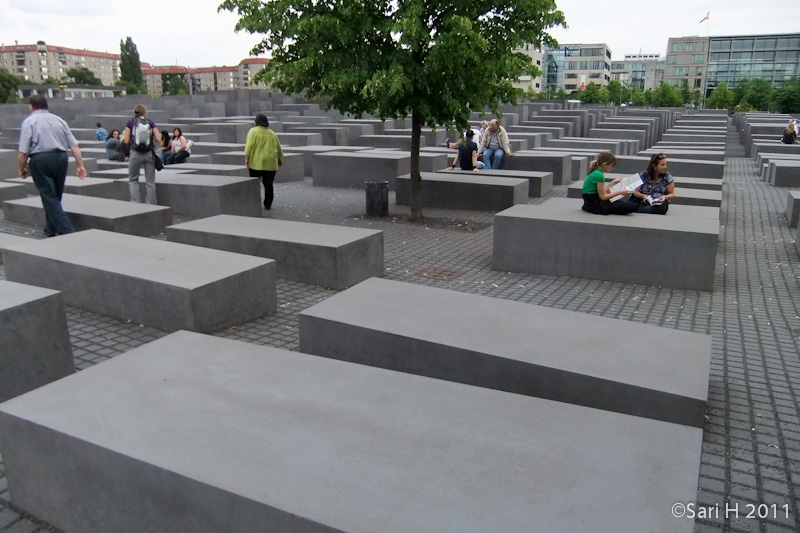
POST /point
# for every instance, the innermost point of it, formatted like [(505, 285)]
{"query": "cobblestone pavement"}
[(751, 445)]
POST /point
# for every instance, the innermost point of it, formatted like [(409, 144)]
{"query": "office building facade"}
[(643, 71), (705, 62), (36, 62), (574, 66)]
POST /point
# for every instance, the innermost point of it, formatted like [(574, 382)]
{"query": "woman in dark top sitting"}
[(165, 149), (596, 193), (789, 134), (657, 189), (111, 145)]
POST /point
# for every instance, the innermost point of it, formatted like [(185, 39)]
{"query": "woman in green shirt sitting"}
[(596, 194)]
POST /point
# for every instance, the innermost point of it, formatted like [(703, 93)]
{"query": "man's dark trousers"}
[(49, 171)]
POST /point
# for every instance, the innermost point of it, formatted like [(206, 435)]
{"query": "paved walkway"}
[(751, 448)]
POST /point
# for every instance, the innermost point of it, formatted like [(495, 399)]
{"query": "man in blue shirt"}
[(101, 134), (45, 139)]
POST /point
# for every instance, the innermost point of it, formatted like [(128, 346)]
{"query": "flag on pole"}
[(705, 18)]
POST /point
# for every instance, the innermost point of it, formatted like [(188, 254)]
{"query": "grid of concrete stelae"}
[(751, 445)]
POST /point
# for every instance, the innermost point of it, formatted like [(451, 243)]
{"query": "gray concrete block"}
[(562, 240), (98, 187), (208, 168), (166, 285), (683, 195), (284, 441), (88, 212), (793, 208), (705, 155), (34, 340), (464, 190), (353, 169), (296, 138), (390, 141), (12, 189), (6, 240), (539, 183), (513, 347), (784, 173), (628, 164), (428, 161), (333, 135), (208, 148), (559, 163), (309, 151), (319, 254)]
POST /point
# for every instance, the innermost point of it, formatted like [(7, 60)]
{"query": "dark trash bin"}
[(377, 198)]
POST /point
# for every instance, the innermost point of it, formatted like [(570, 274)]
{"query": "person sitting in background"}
[(494, 145), (789, 134), (111, 146), (165, 149), (101, 134), (181, 148), (468, 155), (658, 187), (596, 194)]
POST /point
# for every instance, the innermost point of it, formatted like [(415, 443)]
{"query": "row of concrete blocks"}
[(521, 404), (781, 172)]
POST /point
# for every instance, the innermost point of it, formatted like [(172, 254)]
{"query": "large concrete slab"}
[(559, 163), (539, 183), (793, 208), (6, 240), (98, 187), (562, 240), (88, 212), (11, 190), (513, 347), (320, 254), (464, 190), (284, 441), (353, 169), (166, 285), (34, 340)]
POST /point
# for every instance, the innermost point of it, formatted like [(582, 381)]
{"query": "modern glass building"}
[(574, 66), (705, 62), (645, 71)]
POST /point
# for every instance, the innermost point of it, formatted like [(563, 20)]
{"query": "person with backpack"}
[(142, 134)]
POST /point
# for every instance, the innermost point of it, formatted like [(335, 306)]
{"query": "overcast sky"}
[(191, 32)]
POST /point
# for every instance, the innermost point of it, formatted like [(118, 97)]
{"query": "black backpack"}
[(142, 135)]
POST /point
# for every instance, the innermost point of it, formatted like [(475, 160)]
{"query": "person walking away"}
[(141, 133), (45, 139), (262, 156)]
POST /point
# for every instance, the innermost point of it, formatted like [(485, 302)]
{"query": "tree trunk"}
[(416, 178)]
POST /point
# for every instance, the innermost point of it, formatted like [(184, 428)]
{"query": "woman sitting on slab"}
[(658, 187), (597, 196)]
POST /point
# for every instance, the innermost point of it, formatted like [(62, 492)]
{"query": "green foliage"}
[(615, 91), (130, 68), (787, 98), (648, 97), (686, 93), (435, 61), (49, 80), (83, 76), (8, 87), (739, 91), (638, 97), (758, 94), (561, 94), (720, 98), (667, 96), (592, 94), (174, 84)]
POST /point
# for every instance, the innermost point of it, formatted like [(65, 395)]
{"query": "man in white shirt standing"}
[(45, 139)]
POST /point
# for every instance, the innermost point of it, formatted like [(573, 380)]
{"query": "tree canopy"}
[(83, 76), (8, 87), (434, 61), (720, 98), (174, 84), (667, 96), (787, 98), (130, 68)]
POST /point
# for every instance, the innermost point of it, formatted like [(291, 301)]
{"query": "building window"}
[(570, 75), (699, 58), (689, 47), (718, 46), (674, 47), (570, 87), (680, 71)]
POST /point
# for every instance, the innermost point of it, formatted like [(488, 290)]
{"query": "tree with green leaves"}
[(759, 94), (720, 98), (561, 94), (8, 87), (174, 84), (615, 92), (434, 61), (83, 76), (49, 80), (686, 93), (667, 96), (130, 68), (787, 98), (638, 98)]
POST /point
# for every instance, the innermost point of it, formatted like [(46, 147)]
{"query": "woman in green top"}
[(597, 196), (262, 155)]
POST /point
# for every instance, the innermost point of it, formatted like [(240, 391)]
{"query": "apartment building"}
[(644, 71), (574, 66), (205, 78), (36, 62), (527, 81)]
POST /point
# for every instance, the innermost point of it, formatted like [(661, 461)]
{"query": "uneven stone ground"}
[(751, 445)]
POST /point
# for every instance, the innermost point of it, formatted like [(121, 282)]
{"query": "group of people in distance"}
[(652, 196), (486, 151), (170, 150)]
